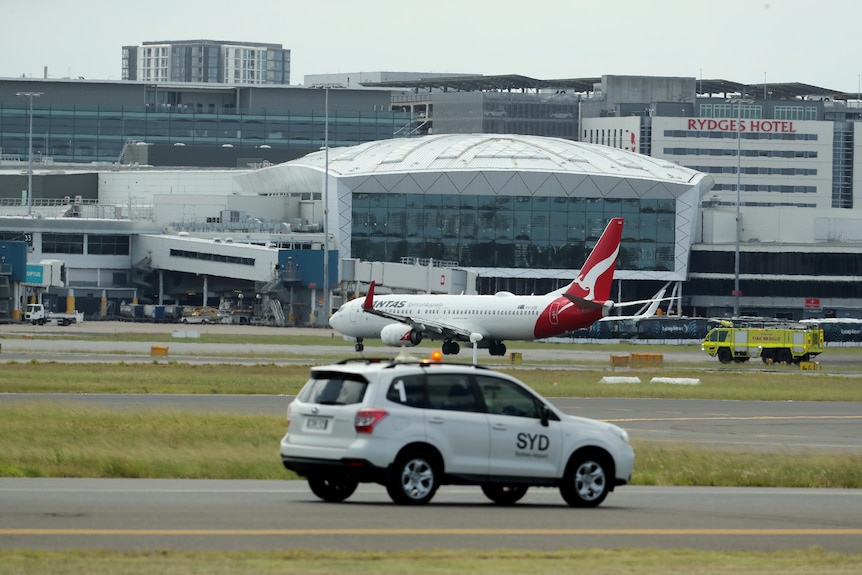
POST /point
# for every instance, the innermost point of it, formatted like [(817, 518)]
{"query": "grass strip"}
[(171, 377), (436, 562), (56, 439)]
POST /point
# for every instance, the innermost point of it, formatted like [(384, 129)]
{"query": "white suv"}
[(413, 426)]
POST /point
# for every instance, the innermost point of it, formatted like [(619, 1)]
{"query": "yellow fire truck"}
[(772, 344)]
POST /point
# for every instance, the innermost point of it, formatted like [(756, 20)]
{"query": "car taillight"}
[(367, 418)]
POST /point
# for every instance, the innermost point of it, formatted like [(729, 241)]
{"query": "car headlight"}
[(620, 432)]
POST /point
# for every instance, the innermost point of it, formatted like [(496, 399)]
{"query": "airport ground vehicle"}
[(414, 425), (202, 315), (771, 343), (37, 314)]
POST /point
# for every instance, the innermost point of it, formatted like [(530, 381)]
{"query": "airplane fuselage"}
[(487, 320), (497, 317)]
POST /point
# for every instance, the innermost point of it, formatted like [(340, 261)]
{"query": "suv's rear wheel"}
[(413, 479), (586, 482), (332, 489), (504, 494)]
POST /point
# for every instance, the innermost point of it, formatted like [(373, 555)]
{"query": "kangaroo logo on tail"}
[(594, 280)]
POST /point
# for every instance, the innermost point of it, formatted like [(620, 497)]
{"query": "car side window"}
[(502, 397), (407, 390), (452, 392)]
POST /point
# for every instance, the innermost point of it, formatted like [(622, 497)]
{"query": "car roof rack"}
[(428, 362), (390, 363)]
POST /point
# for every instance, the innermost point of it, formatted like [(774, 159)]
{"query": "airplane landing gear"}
[(497, 348), (359, 345), (451, 348)]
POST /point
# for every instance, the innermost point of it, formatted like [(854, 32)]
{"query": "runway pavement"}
[(135, 514), (30, 342)]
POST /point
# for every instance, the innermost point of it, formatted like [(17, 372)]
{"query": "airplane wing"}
[(431, 328)]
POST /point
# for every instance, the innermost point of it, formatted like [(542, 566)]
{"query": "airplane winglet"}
[(368, 304)]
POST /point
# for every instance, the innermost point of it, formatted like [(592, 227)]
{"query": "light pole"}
[(30, 95), (737, 293), (326, 307)]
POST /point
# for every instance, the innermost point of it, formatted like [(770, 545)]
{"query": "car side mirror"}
[(545, 414)]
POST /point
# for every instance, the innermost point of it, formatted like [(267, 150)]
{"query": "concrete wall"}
[(52, 186), (646, 89), (137, 187), (458, 113), (623, 133), (74, 93), (400, 278), (779, 226)]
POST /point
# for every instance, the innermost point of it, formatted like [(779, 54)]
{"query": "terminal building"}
[(505, 179), (523, 212)]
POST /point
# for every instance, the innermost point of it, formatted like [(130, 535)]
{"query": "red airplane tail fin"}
[(368, 304), (594, 280)]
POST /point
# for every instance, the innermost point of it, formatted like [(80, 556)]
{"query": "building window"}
[(17, 237), (62, 243), (509, 231), (210, 257), (731, 110), (789, 112), (108, 245)]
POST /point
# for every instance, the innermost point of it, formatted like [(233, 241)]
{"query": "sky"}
[(748, 41)]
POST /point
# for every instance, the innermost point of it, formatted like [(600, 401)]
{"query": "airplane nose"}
[(336, 321)]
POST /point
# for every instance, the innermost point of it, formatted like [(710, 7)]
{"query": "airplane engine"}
[(400, 335)]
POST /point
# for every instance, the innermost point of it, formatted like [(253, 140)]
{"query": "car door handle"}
[(499, 427), (437, 420)]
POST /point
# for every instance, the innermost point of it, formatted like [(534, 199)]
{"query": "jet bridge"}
[(220, 257)]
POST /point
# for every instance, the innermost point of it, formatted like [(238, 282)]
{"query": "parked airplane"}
[(487, 320), (648, 310)]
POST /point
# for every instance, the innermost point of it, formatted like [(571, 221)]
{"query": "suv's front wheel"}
[(332, 489), (586, 482), (413, 479)]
